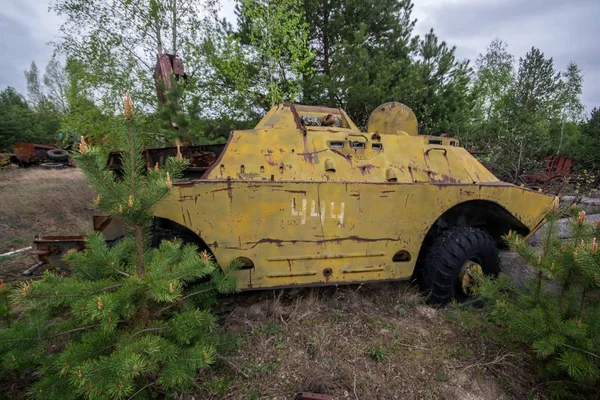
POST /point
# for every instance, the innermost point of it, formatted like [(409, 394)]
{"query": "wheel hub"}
[(468, 273)]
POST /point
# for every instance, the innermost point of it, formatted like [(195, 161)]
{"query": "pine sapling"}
[(130, 320)]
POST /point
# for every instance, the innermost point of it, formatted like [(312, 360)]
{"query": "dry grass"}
[(36, 201), (370, 342)]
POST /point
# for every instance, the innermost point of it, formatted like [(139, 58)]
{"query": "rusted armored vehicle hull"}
[(307, 199), (309, 233)]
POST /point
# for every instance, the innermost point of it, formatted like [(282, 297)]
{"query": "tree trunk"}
[(174, 28), (139, 251), (582, 304), (562, 133), (159, 45)]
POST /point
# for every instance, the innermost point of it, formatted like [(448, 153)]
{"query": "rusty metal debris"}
[(169, 67), (27, 154), (50, 249), (200, 157), (556, 167)]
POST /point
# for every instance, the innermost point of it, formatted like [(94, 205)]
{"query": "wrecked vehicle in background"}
[(27, 154), (305, 198)]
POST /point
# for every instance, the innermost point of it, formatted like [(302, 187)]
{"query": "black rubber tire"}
[(57, 154), (447, 255)]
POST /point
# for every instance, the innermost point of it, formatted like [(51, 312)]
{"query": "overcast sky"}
[(565, 30)]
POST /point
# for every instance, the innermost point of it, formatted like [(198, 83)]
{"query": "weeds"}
[(378, 354)]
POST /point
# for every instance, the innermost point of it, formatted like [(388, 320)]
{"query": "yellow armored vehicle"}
[(306, 198)]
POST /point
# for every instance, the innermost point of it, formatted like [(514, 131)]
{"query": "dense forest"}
[(511, 109)]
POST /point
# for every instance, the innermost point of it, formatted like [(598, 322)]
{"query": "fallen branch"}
[(412, 346), (497, 360)]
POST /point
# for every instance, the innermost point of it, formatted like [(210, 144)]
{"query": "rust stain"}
[(346, 157), (306, 154), (281, 242), (366, 169), (189, 218), (296, 117), (295, 191)]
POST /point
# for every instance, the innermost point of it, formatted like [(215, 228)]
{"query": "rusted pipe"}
[(29, 271), (10, 253)]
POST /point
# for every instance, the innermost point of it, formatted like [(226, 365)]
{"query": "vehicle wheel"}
[(452, 259), (57, 154)]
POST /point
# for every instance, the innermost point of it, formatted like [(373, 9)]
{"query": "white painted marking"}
[(316, 213), (303, 220), (313, 207)]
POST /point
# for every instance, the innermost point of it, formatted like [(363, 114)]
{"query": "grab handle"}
[(436, 148)]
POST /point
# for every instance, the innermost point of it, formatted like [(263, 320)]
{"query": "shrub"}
[(129, 319), (557, 314)]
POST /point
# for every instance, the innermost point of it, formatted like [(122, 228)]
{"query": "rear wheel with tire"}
[(452, 261)]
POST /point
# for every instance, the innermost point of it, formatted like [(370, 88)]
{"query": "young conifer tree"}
[(558, 312), (129, 320)]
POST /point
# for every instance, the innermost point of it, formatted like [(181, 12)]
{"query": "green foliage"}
[(367, 54), (377, 354), (586, 146), (265, 60), (38, 120), (17, 121), (128, 320), (557, 313), (84, 117), (5, 311)]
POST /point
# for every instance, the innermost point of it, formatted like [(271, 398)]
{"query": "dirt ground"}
[(360, 342), (37, 201), (353, 342)]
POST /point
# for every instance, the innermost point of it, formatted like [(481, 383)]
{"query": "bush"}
[(557, 314), (129, 320)]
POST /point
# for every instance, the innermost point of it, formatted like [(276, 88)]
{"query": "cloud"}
[(25, 27), (17, 45), (564, 30)]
